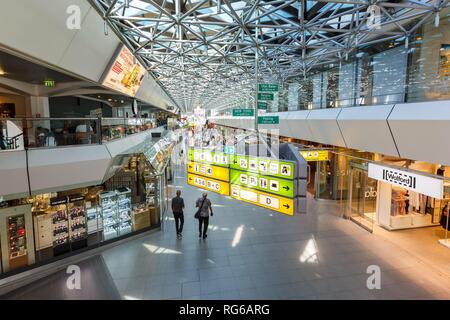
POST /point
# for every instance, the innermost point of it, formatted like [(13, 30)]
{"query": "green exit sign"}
[(268, 87), (269, 120), (49, 83), (243, 112), (265, 96)]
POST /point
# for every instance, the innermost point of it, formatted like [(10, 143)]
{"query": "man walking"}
[(177, 209), (205, 208)]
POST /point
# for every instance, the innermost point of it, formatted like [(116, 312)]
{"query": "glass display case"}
[(124, 210), (77, 222), (60, 225), (16, 237), (110, 219)]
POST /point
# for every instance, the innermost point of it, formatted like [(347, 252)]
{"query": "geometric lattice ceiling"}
[(204, 52)]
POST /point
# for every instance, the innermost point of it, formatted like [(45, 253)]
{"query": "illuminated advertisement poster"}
[(126, 73)]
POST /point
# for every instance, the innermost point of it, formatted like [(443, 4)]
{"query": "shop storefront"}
[(394, 198), (47, 227)]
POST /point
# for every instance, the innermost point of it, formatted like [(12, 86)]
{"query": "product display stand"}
[(108, 204), (60, 222), (77, 222), (124, 210)]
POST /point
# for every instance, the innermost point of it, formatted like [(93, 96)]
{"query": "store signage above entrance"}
[(315, 155), (415, 182), (243, 112), (273, 185), (263, 166), (268, 87), (216, 186), (269, 120), (210, 157), (269, 201), (219, 173), (265, 96)]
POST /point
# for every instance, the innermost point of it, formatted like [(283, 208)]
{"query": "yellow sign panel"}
[(262, 199), (216, 186), (315, 155), (207, 170)]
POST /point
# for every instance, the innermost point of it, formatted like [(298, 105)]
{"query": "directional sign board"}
[(216, 186), (262, 105), (243, 112), (269, 120), (268, 87), (315, 155), (214, 172), (216, 158), (273, 185), (263, 166), (262, 199), (265, 96)]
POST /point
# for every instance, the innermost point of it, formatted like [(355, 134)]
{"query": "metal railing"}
[(25, 133)]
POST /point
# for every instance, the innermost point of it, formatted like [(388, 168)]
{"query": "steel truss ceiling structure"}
[(203, 52)]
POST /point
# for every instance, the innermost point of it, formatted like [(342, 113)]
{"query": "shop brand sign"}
[(419, 183)]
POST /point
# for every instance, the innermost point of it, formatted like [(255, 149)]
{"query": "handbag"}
[(197, 214)]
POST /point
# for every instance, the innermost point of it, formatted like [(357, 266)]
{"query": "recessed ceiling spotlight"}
[(2, 72)]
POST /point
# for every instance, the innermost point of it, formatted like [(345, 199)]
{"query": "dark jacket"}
[(177, 205)]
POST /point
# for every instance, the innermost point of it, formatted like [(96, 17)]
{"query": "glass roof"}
[(205, 52)]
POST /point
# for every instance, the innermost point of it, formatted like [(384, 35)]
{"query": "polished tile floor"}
[(253, 253)]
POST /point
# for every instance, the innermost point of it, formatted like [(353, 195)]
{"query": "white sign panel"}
[(422, 184)]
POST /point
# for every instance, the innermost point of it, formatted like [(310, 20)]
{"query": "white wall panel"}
[(298, 125), (152, 93), (421, 131), (366, 128), (67, 167), (91, 50), (38, 28), (13, 174), (324, 127)]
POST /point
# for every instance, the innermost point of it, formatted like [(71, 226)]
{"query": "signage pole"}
[(256, 82)]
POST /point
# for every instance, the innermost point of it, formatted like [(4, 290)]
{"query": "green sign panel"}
[(262, 105), (269, 120), (268, 87), (263, 166), (273, 185), (243, 112), (265, 96), (210, 157)]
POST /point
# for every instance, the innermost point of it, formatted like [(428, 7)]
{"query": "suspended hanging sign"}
[(216, 186), (315, 155), (268, 87), (243, 112), (210, 157), (269, 120), (265, 96), (219, 173), (262, 105), (262, 199), (263, 166), (269, 184)]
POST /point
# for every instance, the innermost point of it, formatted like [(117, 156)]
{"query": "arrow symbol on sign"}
[(286, 206), (190, 179), (286, 188)]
